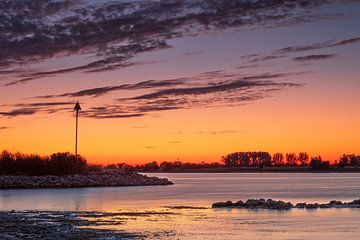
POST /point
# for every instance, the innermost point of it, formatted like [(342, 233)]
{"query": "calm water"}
[(200, 190)]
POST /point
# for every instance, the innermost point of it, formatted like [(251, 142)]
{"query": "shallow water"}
[(200, 190)]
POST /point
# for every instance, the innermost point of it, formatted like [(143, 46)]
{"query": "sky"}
[(187, 80)]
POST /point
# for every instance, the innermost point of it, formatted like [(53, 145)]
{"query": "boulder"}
[(355, 202), (335, 202), (300, 205), (239, 203), (312, 206), (222, 204)]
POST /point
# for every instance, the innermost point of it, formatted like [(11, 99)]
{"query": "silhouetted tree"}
[(278, 159), (230, 160), (303, 159), (56, 164), (247, 159), (354, 160), (344, 161), (291, 159), (152, 166), (317, 164)]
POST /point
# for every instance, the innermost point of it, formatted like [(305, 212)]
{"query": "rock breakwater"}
[(282, 205), (107, 178)]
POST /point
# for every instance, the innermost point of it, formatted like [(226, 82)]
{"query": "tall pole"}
[(77, 108)]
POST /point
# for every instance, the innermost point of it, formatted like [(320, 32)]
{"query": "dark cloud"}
[(3, 128), (209, 89), (113, 32), (242, 83), (316, 46), (248, 66), (96, 92), (109, 116), (228, 92), (43, 104), (23, 109), (19, 112), (265, 58), (314, 57)]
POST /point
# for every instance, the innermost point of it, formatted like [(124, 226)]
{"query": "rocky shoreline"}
[(56, 226), (282, 205), (108, 178)]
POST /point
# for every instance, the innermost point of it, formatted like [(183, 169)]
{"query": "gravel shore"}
[(95, 179), (55, 226)]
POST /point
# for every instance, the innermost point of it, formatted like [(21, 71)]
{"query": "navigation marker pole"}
[(77, 108)]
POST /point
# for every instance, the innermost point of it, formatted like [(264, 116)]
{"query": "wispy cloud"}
[(24, 109), (219, 132), (316, 46), (19, 112), (314, 57), (259, 58), (113, 32), (43, 104), (96, 92), (229, 90), (208, 89)]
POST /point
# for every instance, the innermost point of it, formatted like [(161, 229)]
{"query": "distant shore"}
[(257, 170), (108, 178)]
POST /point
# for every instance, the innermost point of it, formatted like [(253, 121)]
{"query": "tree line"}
[(264, 159), (258, 159), (36, 165), (67, 164)]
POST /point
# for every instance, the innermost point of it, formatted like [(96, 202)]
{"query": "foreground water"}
[(181, 211)]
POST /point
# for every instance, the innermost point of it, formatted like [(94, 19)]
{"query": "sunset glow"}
[(174, 86)]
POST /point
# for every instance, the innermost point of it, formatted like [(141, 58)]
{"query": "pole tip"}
[(77, 106)]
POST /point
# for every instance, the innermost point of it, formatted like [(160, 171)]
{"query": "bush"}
[(317, 164), (35, 165)]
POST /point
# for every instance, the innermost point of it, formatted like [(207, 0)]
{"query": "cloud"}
[(248, 66), (314, 57), (228, 90), (109, 35), (145, 146), (19, 112), (224, 86), (221, 132), (24, 109), (96, 92), (208, 89), (265, 58), (316, 46), (43, 104), (3, 128)]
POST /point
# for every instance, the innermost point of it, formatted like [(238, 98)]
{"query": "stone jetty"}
[(108, 178), (282, 205)]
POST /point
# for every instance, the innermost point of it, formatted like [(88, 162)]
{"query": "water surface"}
[(202, 189)]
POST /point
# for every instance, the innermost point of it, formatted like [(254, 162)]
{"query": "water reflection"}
[(191, 189)]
